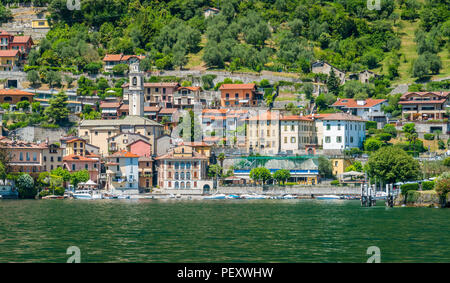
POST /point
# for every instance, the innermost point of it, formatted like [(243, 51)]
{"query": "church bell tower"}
[(136, 90)]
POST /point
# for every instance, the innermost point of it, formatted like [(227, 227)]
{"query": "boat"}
[(123, 197), (254, 196), (218, 196), (289, 197), (232, 197), (86, 194), (328, 197), (53, 197)]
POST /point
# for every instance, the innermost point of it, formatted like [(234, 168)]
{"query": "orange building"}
[(12, 96), (238, 95)]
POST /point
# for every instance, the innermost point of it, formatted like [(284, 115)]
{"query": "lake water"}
[(220, 231)]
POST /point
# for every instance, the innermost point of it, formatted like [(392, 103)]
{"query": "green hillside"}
[(405, 40)]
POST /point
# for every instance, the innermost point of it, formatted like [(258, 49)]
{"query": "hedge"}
[(334, 183), (427, 185), (428, 137), (409, 187), (371, 125)]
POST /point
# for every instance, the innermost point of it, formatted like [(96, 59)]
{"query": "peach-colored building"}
[(238, 95), (91, 163), (24, 156)]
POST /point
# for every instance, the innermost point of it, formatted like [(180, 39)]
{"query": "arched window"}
[(188, 165), (188, 175), (7, 99), (182, 185), (182, 175), (24, 98), (188, 185), (177, 185), (176, 175), (134, 81), (176, 165), (182, 165)]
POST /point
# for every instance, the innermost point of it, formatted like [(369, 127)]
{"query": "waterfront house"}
[(145, 172), (297, 135), (91, 163), (183, 168), (74, 146), (240, 95), (263, 133), (52, 156), (342, 131), (122, 169), (25, 157)]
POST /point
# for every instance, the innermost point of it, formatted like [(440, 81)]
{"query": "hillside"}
[(406, 40)]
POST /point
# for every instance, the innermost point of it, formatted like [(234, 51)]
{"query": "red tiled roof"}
[(14, 91), (124, 153), (265, 116), (74, 158), (9, 53), (237, 86), (222, 111), (168, 111), (170, 155), (21, 39), (352, 103), (75, 139), (152, 108), (192, 88), (295, 118), (124, 107), (439, 101), (112, 57), (442, 94), (109, 104), (3, 32)]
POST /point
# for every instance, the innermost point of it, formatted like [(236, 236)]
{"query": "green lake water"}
[(220, 231)]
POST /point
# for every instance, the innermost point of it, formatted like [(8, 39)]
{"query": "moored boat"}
[(218, 196), (328, 197)]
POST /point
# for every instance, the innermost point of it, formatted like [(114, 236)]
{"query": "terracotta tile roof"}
[(3, 32), (14, 92), (75, 139), (170, 84), (443, 94), (113, 57), (192, 88), (126, 57), (168, 111), (352, 103), (21, 39), (109, 104), (152, 108), (9, 53), (170, 155), (75, 158), (343, 117), (439, 101), (124, 107), (124, 153), (217, 111), (266, 116), (7, 143), (318, 116), (237, 86), (194, 144), (295, 118)]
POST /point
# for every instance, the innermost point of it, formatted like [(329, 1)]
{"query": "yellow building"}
[(97, 132), (75, 146), (339, 165), (200, 147), (9, 60), (40, 23)]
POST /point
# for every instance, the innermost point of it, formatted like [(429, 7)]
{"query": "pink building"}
[(75, 163), (140, 147)]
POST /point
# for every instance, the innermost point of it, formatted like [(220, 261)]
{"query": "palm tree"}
[(221, 158)]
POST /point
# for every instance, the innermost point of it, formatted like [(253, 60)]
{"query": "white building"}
[(136, 89), (342, 131), (369, 109), (123, 172)]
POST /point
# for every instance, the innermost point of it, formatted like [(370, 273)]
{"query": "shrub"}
[(409, 187), (334, 183), (428, 137), (441, 144), (427, 185), (371, 125), (447, 162)]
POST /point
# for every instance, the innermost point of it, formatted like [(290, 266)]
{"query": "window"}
[(59, 158), (188, 185), (45, 158), (328, 127), (339, 127), (285, 139), (292, 139), (177, 185), (292, 127), (96, 133), (351, 139), (188, 175), (28, 156), (73, 167), (338, 139), (327, 139), (21, 156), (86, 166), (182, 175), (176, 175), (51, 159)]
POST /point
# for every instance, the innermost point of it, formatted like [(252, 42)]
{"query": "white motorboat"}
[(218, 196), (86, 194), (288, 197), (254, 196)]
